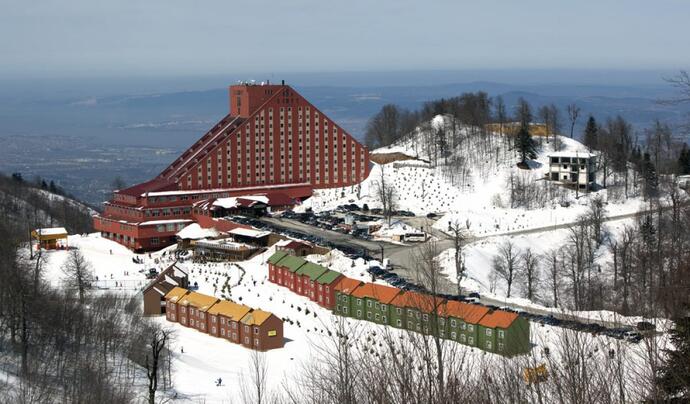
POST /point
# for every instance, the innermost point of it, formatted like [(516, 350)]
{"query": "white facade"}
[(572, 168)]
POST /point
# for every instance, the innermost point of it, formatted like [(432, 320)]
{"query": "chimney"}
[(282, 82)]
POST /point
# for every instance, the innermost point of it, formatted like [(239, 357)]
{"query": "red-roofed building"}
[(272, 142)]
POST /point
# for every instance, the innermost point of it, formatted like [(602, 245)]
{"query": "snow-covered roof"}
[(233, 202), (223, 244), (249, 232), (572, 154), (219, 190), (51, 231), (154, 222), (171, 281), (196, 232)]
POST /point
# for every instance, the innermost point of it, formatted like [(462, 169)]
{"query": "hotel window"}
[(488, 332), (501, 334)]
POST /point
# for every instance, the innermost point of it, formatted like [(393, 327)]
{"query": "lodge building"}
[(253, 328), (496, 331), (271, 141)]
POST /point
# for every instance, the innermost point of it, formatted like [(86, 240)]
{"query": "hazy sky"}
[(172, 37)]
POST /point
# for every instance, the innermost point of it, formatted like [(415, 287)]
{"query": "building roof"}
[(165, 221), (195, 232), (176, 293), (279, 199), (384, 294), (292, 244), (246, 201), (347, 285), (52, 231), (256, 317), (164, 281), (579, 154), (198, 300), (156, 184), (419, 301), (292, 263), (498, 319), (249, 232), (313, 271), (277, 256), (161, 288), (470, 313), (328, 277), (229, 309)]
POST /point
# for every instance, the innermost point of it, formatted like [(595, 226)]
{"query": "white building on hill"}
[(573, 168)]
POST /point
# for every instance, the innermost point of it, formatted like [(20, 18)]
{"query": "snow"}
[(155, 222), (207, 358), (481, 201), (572, 153), (231, 202), (51, 231), (196, 232), (249, 232)]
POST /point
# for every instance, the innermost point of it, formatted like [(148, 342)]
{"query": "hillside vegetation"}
[(28, 205)]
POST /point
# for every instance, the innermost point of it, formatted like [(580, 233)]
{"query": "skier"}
[(219, 381)]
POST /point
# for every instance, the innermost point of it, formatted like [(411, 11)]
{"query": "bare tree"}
[(505, 264), (530, 272), (158, 341), (78, 273), (387, 195), (458, 232), (118, 183), (254, 391), (553, 266), (573, 115), (682, 83)]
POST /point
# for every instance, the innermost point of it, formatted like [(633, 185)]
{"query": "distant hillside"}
[(472, 178), (27, 205)]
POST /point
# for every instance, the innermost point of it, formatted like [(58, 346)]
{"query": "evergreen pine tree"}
[(525, 145), (674, 377), (44, 185), (651, 180), (52, 187), (591, 136), (684, 160)]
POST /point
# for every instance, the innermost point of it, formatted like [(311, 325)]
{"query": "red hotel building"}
[(273, 140)]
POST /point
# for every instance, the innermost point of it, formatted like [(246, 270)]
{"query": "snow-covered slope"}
[(470, 184), (199, 359)]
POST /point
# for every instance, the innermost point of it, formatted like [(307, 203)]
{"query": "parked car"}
[(376, 211), (475, 294), (645, 326), (431, 215), (632, 336)]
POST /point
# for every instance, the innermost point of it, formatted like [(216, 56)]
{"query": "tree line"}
[(28, 205), (71, 345)]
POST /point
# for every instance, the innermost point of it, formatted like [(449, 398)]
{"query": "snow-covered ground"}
[(481, 201), (206, 358)]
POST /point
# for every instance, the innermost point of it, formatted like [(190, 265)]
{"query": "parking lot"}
[(323, 230)]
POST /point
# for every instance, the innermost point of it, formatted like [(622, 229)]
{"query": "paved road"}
[(402, 257)]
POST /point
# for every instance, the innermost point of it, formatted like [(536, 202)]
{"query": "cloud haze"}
[(169, 37)]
